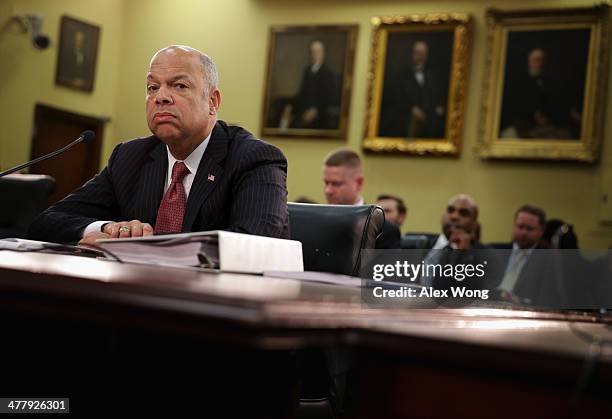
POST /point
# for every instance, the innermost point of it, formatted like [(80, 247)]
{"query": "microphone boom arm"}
[(85, 136)]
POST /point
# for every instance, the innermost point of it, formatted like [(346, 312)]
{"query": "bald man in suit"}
[(193, 174)]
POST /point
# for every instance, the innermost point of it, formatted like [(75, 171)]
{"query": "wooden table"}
[(78, 325)]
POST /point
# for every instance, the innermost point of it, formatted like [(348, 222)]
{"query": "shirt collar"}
[(441, 243), (515, 248), (193, 160)]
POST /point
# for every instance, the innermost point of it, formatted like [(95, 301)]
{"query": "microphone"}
[(85, 137)]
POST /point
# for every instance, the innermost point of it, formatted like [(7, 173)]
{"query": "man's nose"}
[(163, 96)]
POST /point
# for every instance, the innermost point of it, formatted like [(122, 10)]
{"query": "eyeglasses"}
[(464, 212)]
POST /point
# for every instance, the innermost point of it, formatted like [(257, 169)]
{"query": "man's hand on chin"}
[(460, 238)]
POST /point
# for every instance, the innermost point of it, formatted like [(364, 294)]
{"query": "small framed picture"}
[(77, 56), (308, 81), (417, 84), (544, 90)]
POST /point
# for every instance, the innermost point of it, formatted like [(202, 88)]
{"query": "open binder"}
[(222, 250)]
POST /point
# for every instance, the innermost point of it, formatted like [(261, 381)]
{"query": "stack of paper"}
[(223, 250)]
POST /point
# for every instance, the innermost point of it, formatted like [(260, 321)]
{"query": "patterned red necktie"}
[(172, 208)]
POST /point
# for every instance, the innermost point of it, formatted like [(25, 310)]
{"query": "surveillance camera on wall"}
[(32, 22)]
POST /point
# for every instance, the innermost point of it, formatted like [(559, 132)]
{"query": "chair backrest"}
[(333, 236), (500, 245), (23, 198), (418, 240)]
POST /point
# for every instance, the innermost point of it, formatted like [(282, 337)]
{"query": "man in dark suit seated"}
[(316, 105), (459, 224), (527, 232), (414, 102), (457, 240), (194, 174), (528, 273), (343, 181), (394, 207)]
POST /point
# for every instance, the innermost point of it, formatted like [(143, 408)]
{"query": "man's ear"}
[(214, 101), (401, 218), (359, 180)]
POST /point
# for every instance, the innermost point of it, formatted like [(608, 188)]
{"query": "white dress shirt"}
[(192, 162), (440, 243), (420, 77), (516, 263)]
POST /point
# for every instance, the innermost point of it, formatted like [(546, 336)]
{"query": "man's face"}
[(419, 54), (527, 230), (317, 52), (79, 40), (536, 62), (342, 185), (459, 214), (391, 211), (179, 110)]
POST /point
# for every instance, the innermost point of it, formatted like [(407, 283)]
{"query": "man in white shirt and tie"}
[(527, 231), (195, 173)]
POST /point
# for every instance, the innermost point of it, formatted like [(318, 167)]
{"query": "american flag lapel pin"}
[(211, 177)]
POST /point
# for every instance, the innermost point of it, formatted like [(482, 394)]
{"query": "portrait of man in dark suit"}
[(317, 103), (416, 82), (306, 93), (78, 50), (544, 84)]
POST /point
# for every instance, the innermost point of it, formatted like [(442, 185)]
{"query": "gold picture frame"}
[(77, 55), (545, 84), (308, 81), (417, 84)]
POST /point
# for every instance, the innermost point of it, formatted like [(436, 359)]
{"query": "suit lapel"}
[(151, 184), (208, 176)]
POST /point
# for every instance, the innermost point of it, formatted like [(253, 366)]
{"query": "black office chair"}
[(500, 245), (23, 198), (418, 240), (333, 236)]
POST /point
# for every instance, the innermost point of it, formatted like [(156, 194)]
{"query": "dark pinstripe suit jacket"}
[(246, 193)]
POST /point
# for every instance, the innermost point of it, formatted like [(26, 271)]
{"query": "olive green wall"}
[(27, 75), (235, 34)]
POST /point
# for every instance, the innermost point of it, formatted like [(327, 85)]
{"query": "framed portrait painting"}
[(417, 84), (544, 87), (77, 56), (308, 81)]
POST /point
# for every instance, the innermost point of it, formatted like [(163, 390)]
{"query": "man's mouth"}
[(163, 116)]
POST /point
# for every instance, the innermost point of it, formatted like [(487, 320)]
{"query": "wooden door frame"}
[(96, 124)]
